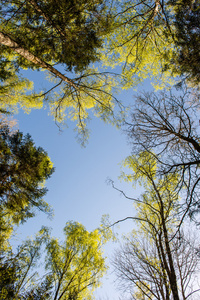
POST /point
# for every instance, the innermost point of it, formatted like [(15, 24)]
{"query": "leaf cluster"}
[(187, 24), (65, 32), (24, 169), (73, 267)]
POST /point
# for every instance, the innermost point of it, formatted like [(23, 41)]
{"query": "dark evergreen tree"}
[(8, 278), (65, 32), (187, 36), (23, 168), (39, 35)]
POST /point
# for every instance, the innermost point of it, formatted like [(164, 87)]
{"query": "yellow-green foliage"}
[(140, 44), (93, 93), (73, 267), (160, 198), (6, 230), (70, 40), (78, 263), (140, 166), (143, 291), (15, 94)]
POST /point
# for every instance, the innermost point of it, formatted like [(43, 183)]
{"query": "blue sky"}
[(78, 190)]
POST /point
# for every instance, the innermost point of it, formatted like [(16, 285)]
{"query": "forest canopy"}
[(142, 38), (91, 51)]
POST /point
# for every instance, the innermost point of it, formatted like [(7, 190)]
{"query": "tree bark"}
[(169, 268), (7, 41)]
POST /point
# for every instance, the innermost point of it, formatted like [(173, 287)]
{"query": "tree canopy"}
[(154, 39), (150, 263), (40, 35), (73, 267), (140, 39), (24, 169), (44, 32), (187, 24), (165, 125)]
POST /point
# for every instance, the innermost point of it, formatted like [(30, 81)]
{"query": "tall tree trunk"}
[(169, 266), (7, 41)]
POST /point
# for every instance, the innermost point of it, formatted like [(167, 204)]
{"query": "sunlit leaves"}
[(74, 267), (160, 199), (141, 42), (41, 35), (77, 264), (143, 168), (92, 91)]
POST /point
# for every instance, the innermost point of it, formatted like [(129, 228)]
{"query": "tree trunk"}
[(7, 41)]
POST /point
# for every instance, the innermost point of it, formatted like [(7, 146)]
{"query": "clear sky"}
[(78, 190)]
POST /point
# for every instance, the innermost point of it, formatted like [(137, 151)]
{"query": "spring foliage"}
[(73, 268)]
